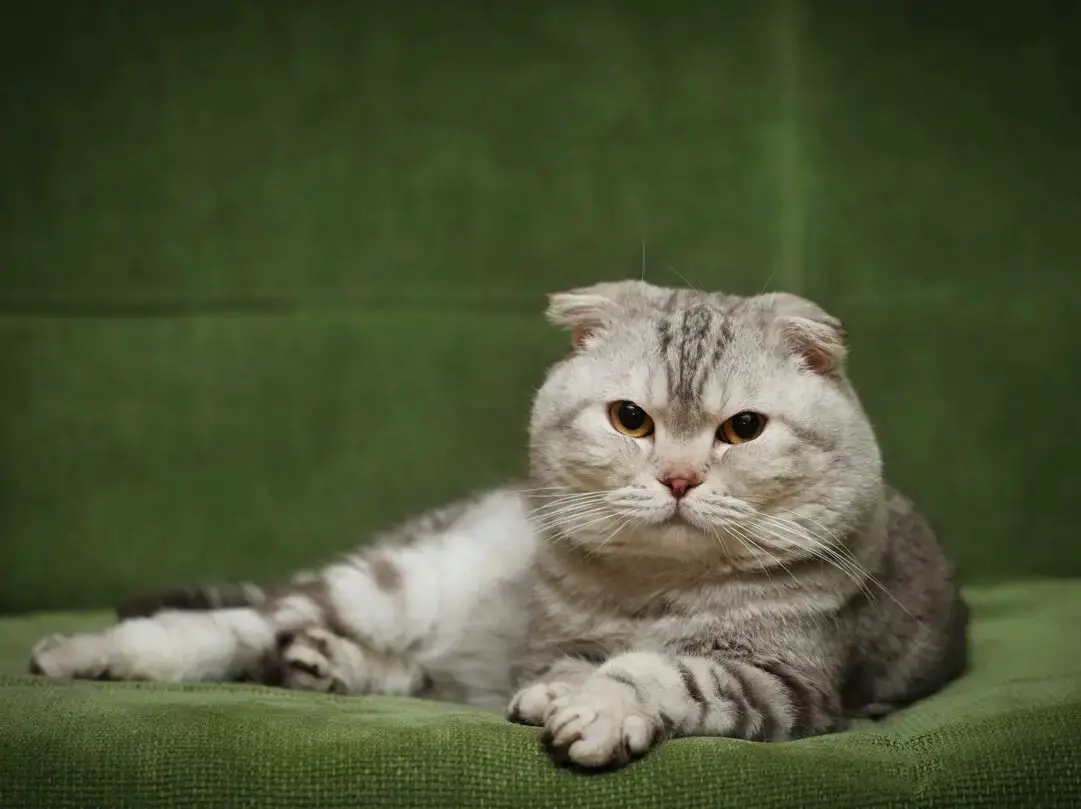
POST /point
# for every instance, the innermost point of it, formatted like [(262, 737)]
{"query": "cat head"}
[(685, 422)]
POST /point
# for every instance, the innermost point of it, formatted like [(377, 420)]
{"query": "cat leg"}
[(284, 645), (398, 614), (188, 646), (283, 642), (635, 700), (218, 645), (396, 601)]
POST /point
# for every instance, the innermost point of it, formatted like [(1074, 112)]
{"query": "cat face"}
[(687, 423)]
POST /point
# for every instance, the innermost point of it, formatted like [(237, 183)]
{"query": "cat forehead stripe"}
[(692, 341)]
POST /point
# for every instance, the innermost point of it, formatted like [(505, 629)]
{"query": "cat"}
[(706, 547)]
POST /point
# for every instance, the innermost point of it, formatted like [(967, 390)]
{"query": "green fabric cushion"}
[(1003, 736)]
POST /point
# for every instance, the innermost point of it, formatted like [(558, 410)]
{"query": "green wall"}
[(271, 273)]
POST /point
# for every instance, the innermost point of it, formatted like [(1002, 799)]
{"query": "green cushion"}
[(1003, 736)]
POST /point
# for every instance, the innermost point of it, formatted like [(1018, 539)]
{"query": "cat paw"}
[(79, 657), (532, 704), (600, 725), (312, 660)]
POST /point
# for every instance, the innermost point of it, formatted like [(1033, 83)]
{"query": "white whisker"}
[(806, 541), (723, 544), (574, 501), (838, 556), (568, 516), (756, 550), (549, 509), (595, 521), (607, 539)]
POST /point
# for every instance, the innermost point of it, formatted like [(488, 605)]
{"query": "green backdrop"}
[(272, 273)]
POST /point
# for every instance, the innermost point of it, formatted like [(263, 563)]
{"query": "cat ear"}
[(819, 343), (589, 310), (582, 312), (814, 335)]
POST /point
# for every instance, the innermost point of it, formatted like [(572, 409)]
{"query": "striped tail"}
[(225, 595)]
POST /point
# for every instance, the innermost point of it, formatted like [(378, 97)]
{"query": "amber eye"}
[(742, 427), (630, 419)]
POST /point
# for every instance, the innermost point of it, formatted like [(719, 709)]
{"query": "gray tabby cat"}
[(706, 548)]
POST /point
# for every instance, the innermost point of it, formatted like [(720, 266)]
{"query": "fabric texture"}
[(1005, 735), (272, 275)]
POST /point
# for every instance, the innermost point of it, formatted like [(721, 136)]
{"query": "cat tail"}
[(224, 595)]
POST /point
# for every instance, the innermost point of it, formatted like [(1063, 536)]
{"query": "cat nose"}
[(680, 484)]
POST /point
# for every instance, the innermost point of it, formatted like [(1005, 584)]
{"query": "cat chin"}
[(677, 536), (647, 535), (680, 533)]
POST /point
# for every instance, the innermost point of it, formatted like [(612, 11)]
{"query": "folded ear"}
[(814, 335), (590, 310), (582, 312), (819, 344)]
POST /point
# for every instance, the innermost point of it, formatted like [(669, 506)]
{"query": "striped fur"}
[(789, 591)]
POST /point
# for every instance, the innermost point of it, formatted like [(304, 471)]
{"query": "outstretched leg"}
[(218, 645), (368, 623)]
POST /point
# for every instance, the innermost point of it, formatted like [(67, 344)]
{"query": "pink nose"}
[(680, 484)]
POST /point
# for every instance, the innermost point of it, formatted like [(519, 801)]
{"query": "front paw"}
[(600, 725), (533, 703)]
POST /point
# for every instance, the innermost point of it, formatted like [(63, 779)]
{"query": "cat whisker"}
[(842, 551), (555, 505), (566, 503), (607, 539), (580, 528), (568, 517), (560, 493), (683, 278), (800, 584), (841, 559), (768, 279), (755, 549), (830, 544), (805, 540), (557, 495), (550, 499), (723, 545), (569, 510)]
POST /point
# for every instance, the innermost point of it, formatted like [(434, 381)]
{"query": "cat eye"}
[(630, 419), (743, 427)]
